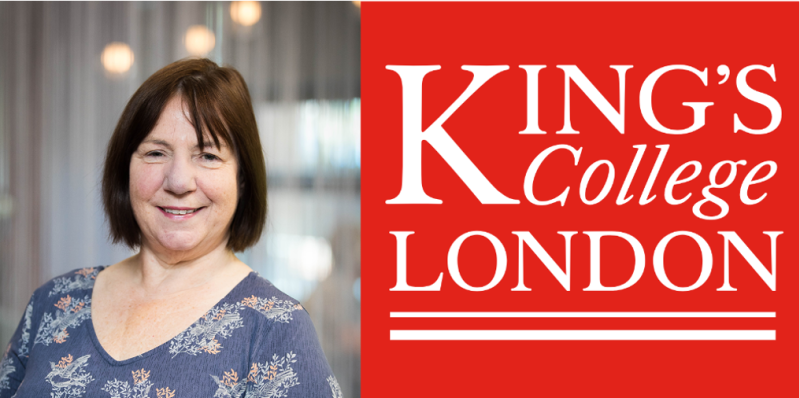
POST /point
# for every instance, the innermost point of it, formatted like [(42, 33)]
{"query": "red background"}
[(591, 36)]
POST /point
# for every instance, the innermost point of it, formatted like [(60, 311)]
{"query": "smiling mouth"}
[(181, 212)]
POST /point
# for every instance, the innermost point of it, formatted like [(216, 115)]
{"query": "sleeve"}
[(15, 356), (289, 362)]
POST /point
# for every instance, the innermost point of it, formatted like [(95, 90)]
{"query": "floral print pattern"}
[(203, 335), (336, 392), (53, 327), (271, 379), (83, 280), (56, 354), (164, 393), (230, 386), (6, 369), (25, 337), (69, 378), (272, 308), (140, 389), (220, 322)]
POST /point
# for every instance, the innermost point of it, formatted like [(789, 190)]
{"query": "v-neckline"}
[(114, 362)]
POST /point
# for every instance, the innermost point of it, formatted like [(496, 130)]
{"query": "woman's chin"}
[(179, 244)]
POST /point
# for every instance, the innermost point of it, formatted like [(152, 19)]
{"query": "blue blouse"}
[(256, 342)]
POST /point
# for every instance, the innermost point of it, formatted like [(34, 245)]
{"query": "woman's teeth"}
[(180, 212)]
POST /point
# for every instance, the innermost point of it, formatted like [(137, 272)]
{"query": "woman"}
[(185, 182)]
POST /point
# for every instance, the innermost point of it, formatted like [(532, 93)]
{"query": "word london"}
[(563, 276)]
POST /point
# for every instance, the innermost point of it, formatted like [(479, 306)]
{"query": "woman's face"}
[(183, 198)]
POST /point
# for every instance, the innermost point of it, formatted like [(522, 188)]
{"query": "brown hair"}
[(219, 105)]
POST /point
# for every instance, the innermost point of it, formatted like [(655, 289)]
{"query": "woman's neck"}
[(162, 274)]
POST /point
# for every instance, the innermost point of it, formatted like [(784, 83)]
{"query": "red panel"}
[(486, 128)]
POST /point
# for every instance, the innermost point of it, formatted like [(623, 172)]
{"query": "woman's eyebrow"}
[(165, 144), (210, 142), (157, 142)]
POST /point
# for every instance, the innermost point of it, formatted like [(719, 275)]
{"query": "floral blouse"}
[(256, 342)]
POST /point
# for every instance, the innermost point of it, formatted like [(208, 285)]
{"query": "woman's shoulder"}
[(284, 340), (256, 285), (76, 283), (266, 302), (65, 298)]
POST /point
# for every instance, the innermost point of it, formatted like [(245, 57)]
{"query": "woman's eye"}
[(154, 154), (209, 157)]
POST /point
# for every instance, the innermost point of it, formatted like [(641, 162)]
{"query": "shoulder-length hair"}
[(219, 106)]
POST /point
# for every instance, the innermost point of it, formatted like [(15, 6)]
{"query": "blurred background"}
[(68, 69)]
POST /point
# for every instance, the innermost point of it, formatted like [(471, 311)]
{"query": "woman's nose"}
[(180, 176)]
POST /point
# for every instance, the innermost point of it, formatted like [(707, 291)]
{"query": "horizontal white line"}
[(582, 315), (581, 335)]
